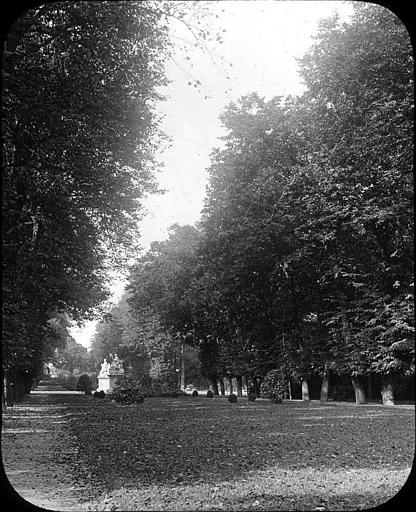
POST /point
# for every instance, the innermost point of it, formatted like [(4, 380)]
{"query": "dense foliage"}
[(79, 134), (274, 386), (84, 384), (127, 390), (151, 323), (302, 262), (232, 398), (303, 259)]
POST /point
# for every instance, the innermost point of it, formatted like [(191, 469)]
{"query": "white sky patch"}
[(84, 334), (262, 41)]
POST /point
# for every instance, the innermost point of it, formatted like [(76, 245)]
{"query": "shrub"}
[(162, 389), (99, 394), (251, 396), (66, 380), (194, 392), (151, 387), (84, 384), (173, 393), (210, 394), (232, 398), (127, 390), (274, 387)]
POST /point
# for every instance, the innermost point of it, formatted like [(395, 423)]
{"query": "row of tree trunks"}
[(387, 389), (218, 385)]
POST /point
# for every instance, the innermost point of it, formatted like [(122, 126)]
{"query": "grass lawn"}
[(207, 454)]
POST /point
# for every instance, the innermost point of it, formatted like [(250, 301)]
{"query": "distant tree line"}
[(303, 258)]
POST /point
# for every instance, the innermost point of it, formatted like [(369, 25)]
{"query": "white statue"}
[(104, 369), (116, 367)]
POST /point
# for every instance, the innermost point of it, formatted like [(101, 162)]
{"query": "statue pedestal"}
[(107, 383)]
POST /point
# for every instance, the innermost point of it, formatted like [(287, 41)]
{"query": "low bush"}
[(274, 387), (99, 394), (251, 396), (232, 398), (84, 384), (66, 379), (157, 388), (127, 390), (194, 392), (210, 394), (174, 393)]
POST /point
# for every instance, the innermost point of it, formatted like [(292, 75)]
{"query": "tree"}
[(79, 133), (160, 280), (139, 339), (246, 233), (360, 88), (308, 216)]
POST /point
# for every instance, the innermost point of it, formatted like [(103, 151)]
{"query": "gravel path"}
[(37, 447)]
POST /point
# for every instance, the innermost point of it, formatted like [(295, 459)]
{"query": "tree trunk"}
[(387, 391), (230, 380), (305, 390), (214, 385), (182, 365), (325, 385), (10, 393), (239, 381), (370, 387), (257, 385), (4, 394), (324, 389), (359, 391), (222, 387), (289, 389)]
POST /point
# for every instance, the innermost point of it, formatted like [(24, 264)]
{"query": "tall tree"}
[(79, 132), (360, 118)]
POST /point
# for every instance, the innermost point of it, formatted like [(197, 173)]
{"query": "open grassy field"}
[(207, 454)]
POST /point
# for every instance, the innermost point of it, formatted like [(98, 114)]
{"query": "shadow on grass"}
[(193, 442), (196, 440)]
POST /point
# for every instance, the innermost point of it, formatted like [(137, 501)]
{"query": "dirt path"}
[(37, 449)]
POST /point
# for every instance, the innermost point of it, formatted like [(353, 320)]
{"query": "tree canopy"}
[(302, 261), (79, 134), (304, 257)]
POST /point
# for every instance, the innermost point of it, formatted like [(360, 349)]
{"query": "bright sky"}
[(262, 41)]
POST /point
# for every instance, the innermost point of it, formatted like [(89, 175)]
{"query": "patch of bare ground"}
[(274, 489), (37, 447)]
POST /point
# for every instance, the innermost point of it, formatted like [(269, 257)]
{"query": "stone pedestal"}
[(106, 383)]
